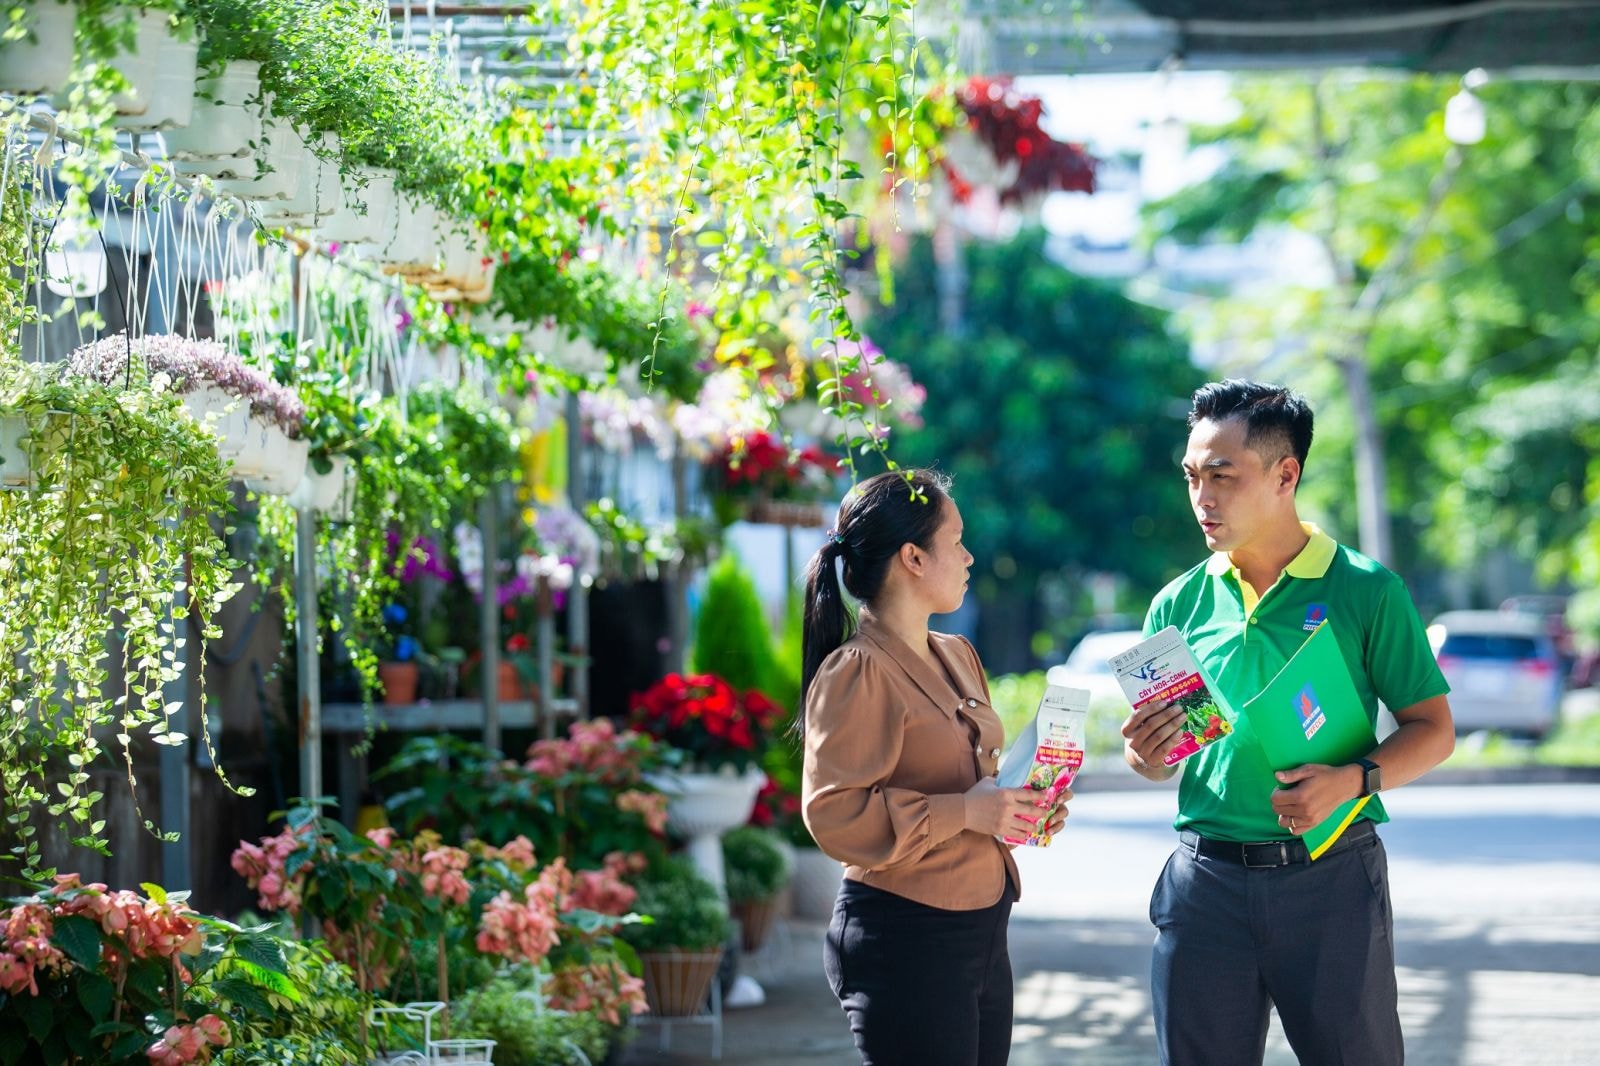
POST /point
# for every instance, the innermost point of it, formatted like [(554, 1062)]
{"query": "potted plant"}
[(399, 671), (757, 866), (125, 491), (36, 47), (681, 946)]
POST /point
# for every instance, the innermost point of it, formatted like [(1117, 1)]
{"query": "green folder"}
[(1310, 713)]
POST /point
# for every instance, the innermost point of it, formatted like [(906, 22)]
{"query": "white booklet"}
[(1162, 667), (1048, 754)]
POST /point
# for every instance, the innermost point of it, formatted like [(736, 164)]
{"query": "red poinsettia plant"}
[(702, 715), (763, 465), (1008, 123)]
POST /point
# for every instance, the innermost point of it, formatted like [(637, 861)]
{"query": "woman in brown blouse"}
[(901, 747)]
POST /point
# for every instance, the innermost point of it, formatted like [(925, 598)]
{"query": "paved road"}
[(1496, 892)]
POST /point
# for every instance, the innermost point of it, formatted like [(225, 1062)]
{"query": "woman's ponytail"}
[(877, 517)]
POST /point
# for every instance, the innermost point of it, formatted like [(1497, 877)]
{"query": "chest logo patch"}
[(1316, 614), (1311, 716)]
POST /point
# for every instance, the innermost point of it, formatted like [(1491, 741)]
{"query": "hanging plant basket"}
[(287, 470), (139, 65), (365, 207), (278, 165), (408, 248), (170, 101), (227, 415), (316, 194), (676, 983), (331, 494), (41, 62), (16, 464), (225, 122)]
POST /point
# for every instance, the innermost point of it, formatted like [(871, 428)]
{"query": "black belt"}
[(1270, 853)]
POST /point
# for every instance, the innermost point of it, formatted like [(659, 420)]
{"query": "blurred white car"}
[(1086, 666), (1503, 669)]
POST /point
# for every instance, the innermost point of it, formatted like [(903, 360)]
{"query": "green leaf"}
[(156, 893), (80, 939), (263, 951), (96, 993)]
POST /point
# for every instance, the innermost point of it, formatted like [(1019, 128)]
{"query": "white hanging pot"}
[(41, 62), (262, 440), (317, 191), (286, 469), (171, 103), (328, 493), (226, 415), (365, 204), (225, 123), (480, 292), (974, 162), (279, 162), (409, 244), (16, 466), (138, 65)]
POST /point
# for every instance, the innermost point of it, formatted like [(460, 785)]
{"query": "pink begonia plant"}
[(188, 363), (602, 986)]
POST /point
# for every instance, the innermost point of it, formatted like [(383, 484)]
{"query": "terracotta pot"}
[(511, 685), (676, 983), (399, 682), (755, 917)]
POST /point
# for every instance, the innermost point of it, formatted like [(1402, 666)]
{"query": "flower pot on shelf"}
[(510, 685), (755, 918), (225, 122), (42, 61), (170, 101), (399, 680), (676, 983)]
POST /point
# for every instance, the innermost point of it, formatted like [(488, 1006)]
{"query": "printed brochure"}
[(1162, 667), (1048, 753)]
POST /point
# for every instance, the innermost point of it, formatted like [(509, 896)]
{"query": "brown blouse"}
[(890, 748)]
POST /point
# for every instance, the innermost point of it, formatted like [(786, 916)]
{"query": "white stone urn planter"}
[(703, 806), (169, 101), (285, 466), (816, 884), (40, 63), (16, 466), (366, 202), (225, 123)]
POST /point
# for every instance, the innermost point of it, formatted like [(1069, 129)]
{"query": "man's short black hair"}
[(1277, 420)]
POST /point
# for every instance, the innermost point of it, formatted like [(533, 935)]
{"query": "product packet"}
[(1048, 753), (1162, 667)]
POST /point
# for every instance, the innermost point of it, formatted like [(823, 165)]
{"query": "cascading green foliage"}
[(115, 535)]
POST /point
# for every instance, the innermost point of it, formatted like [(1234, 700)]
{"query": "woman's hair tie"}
[(834, 538)]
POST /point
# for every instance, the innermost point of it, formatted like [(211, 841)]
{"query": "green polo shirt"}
[(1243, 641)]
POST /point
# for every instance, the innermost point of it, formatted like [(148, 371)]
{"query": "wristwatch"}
[(1371, 777)]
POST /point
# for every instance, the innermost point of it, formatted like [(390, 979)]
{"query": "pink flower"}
[(651, 805)]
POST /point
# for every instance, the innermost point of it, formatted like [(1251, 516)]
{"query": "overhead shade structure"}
[(1104, 36)]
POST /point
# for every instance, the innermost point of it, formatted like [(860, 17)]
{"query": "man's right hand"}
[(1149, 735)]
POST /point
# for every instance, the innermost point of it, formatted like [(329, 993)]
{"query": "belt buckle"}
[(1283, 855)]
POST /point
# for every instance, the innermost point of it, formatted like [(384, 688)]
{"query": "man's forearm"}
[(1425, 739)]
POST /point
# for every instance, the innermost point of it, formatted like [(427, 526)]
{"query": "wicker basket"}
[(676, 982), (755, 917)]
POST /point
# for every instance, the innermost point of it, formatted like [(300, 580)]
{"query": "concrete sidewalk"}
[(1497, 893)]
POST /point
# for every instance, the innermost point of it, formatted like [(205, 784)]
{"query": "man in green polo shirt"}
[(1244, 919)]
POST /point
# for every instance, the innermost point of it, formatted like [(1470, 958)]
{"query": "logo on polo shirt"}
[(1311, 716), (1316, 614)]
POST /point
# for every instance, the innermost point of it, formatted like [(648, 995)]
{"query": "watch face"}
[(1374, 779)]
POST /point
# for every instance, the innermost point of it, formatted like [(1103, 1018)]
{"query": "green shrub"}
[(731, 636), (524, 1035), (756, 866), (684, 910)]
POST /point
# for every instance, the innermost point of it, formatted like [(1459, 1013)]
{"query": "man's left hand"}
[(1308, 794)]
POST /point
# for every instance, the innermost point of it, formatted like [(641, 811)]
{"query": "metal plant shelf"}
[(437, 715)]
